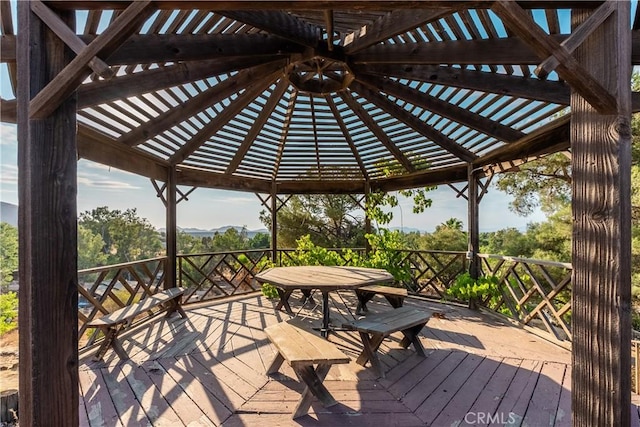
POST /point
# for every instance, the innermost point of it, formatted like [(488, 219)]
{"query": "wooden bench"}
[(395, 296), (374, 328), (302, 350), (284, 298), (113, 323)]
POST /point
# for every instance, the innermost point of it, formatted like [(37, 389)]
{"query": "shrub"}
[(8, 312)]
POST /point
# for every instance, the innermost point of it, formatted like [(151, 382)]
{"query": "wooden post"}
[(172, 238), (473, 233), (601, 164), (367, 219), (274, 224), (47, 189)]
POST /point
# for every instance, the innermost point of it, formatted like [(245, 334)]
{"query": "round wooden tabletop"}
[(324, 278)]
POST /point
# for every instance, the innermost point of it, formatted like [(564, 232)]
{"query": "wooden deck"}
[(210, 370)]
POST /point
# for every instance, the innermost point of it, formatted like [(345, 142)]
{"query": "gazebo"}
[(320, 97)]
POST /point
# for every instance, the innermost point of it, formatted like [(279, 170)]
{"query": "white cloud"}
[(9, 174), (8, 134), (102, 183)]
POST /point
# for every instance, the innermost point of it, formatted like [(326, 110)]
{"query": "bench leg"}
[(363, 298), (411, 337), (175, 305), (275, 364), (370, 351), (307, 296), (395, 301), (313, 379), (111, 340), (284, 300)]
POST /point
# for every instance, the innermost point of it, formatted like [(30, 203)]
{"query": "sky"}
[(99, 185)]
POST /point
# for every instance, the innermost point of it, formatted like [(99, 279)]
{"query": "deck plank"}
[(210, 370)]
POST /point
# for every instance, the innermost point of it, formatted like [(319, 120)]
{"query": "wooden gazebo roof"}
[(336, 99)]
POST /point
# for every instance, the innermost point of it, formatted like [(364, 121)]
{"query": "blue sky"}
[(99, 185)]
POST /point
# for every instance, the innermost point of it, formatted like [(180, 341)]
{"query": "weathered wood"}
[(395, 296), (347, 136), (8, 406), (601, 284), (473, 228), (171, 221), (68, 79), (6, 27), (442, 108), (521, 23), (47, 185)]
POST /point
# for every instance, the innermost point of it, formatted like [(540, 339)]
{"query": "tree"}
[(8, 252), (260, 241), (509, 241), (90, 249), (126, 236), (188, 244)]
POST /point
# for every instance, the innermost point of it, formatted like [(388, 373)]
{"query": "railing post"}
[(171, 238)]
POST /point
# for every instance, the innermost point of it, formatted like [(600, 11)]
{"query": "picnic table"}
[(322, 278)]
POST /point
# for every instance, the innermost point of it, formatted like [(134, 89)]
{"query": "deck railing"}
[(533, 292), (635, 366), (103, 290)]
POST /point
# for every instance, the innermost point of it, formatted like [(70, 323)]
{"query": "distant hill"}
[(9, 213), (197, 232)]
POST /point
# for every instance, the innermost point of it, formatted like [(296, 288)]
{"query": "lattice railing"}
[(433, 272), (221, 274), (103, 290), (534, 292)]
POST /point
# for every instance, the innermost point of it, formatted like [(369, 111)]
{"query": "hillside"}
[(9, 213)]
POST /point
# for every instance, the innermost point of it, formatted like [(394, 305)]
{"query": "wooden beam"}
[(601, 243), (67, 80), (442, 108), (414, 123), (196, 104), (69, 37), (353, 5), (502, 84), (499, 51), (347, 135), (392, 24), (576, 38), (377, 131), (101, 91), (47, 214), (99, 148), (328, 17), (258, 124), (255, 88), (288, 117), (6, 27), (279, 23), (523, 25)]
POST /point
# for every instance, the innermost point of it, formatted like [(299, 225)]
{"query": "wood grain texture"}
[(601, 162)]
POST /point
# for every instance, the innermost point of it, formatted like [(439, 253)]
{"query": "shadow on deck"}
[(210, 370)]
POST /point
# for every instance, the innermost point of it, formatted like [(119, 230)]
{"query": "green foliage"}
[(8, 252), (385, 254), (126, 237), (90, 249), (308, 253), (466, 288), (8, 312)]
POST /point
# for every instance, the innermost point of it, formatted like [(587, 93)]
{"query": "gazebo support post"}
[(274, 224), (473, 234), (170, 280), (47, 162), (367, 219), (601, 164)]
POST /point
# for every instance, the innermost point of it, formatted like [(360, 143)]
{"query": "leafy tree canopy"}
[(8, 252)]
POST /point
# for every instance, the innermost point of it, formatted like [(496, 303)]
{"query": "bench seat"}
[(302, 350), (395, 296), (374, 328), (113, 323)]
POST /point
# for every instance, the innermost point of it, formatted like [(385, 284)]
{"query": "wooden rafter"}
[(69, 37), (502, 84), (377, 131), (196, 104), (521, 23), (347, 136), (576, 38), (253, 90), (442, 108), (279, 23), (391, 24), (101, 91), (288, 117), (62, 85), (328, 17), (257, 126), (316, 143), (6, 26), (414, 123)]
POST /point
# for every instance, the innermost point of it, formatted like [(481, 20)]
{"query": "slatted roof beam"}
[(569, 69), (198, 103), (415, 123), (442, 108), (377, 130), (257, 86), (288, 117), (347, 136), (68, 80), (258, 124)]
